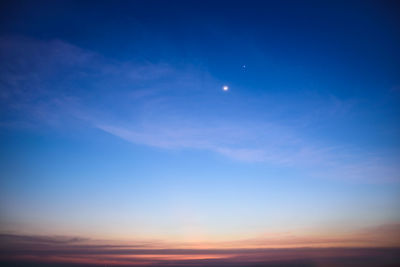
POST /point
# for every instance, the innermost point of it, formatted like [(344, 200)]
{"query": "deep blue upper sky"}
[(123, 99)]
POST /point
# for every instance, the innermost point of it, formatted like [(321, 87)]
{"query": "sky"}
[(115, 128)]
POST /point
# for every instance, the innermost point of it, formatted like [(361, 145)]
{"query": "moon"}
[(225, 88)]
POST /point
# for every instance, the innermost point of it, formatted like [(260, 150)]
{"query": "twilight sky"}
[(114, 124)]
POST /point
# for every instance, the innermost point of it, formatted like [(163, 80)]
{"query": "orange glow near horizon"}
[(275, 246)]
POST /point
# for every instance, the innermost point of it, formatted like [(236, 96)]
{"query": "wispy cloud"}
[(171, 107)]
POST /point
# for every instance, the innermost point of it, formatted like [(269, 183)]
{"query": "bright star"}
[(225, 88)]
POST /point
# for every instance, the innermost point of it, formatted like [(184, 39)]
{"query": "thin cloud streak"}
[(31, 93), (25, 248)]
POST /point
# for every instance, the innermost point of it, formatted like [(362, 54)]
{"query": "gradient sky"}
[(114, 124)]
